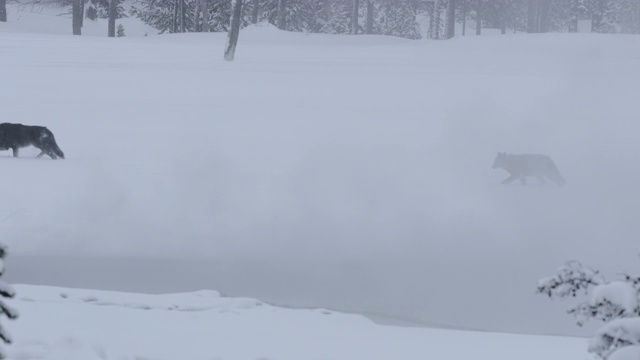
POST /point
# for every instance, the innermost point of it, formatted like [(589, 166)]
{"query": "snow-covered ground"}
[(348, 172), (72, 324)]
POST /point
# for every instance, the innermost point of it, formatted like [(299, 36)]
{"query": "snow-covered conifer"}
[(120, 32), (617, 303), (6, 291)]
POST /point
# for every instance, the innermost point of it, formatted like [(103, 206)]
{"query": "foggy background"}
[(323, 171)]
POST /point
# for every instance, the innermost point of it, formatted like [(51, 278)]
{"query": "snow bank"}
[(76, 324), (626, 353), (615, 334)]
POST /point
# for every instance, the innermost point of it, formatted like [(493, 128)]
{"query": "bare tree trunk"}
[(82, 12), (479, 17), (196, 15), (637, 16), (451, 19), (436, 19), (544, 16), (183, 14), (255, 11), (205, 15), (573, 24), (503, 17), (532, 16), (3, 10), (327, 10), (76, 14), (282, 14), (369, 25), (596, 22), (175, 17), (464, 16), (113, 13), (234, 30), (354, 17)]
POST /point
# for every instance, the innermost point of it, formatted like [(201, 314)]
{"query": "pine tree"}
[(167, 16), (206, 17), (6, 291), (616, 303), (503, 14), (337, 17), (120, 32), (92, 10), (436, 27), (400, 19), (253, 7), (623, 16), (391, 17)]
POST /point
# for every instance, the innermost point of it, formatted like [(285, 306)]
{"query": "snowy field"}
[(70, 324), (322, 171)]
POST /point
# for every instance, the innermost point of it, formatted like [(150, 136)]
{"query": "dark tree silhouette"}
[(76, 13), (3, 10), (113, 14), (234, 30), (6, 291), (354, 17)]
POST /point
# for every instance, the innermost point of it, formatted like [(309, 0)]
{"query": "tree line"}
[(395, 17), (380, 17), (79, 11)]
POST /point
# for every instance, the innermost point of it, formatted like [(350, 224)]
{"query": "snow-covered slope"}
[(74, 324), (354, 172)]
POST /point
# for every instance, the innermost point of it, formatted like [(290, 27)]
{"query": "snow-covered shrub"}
[(617, 303), (6, 291)]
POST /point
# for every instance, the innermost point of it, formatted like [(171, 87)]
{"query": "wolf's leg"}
[(15, 151), (41, 154), (510, 179), (52, 155)]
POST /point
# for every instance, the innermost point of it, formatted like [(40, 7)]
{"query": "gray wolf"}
[(16, 136), (520, 166)]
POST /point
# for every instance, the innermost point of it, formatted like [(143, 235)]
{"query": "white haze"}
[(346, 172)]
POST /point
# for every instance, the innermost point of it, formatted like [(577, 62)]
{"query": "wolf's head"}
[(47, 143), (500, 161)]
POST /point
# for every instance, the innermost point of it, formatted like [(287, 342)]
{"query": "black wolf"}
[(16, 136), (524, 165)]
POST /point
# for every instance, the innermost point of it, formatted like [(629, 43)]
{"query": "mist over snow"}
[(356, 169)]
